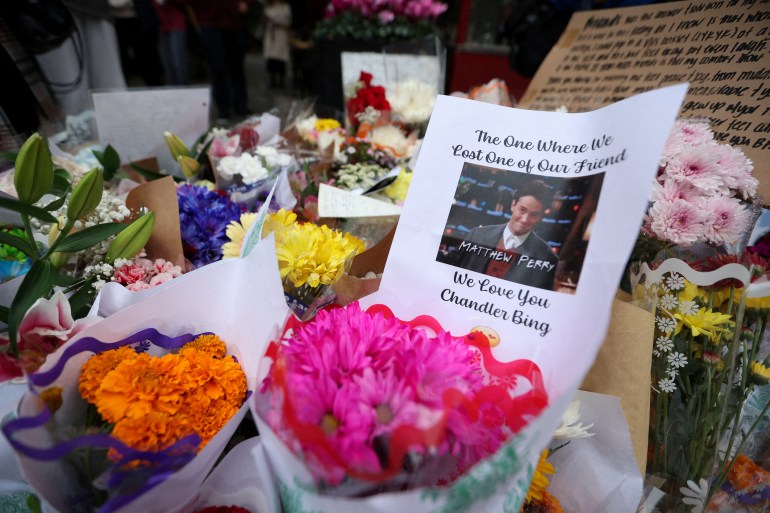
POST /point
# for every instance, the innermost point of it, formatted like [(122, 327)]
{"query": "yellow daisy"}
[(540, 479), (705, 321), (236, 231)]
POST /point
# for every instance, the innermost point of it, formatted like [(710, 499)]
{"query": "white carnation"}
[(412, 101)]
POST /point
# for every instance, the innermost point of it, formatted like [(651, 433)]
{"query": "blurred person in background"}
[(223, 30), (276, 40), (172, 40)]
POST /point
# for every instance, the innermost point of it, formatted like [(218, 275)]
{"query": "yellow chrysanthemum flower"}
[(705, 321), (757, 303), (691, 292), (324, 124), (760, 372), (540, 479), (276, 223), (236, 231), (398, 189)]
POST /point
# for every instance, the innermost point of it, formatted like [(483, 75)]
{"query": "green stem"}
[(62, 234), (30, 237)]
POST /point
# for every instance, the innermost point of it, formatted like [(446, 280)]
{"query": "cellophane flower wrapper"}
[(439, 483), (709, 404), (219, 298)]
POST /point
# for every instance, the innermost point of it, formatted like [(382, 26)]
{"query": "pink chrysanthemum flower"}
[(685, 134), (471, 441), (725, 219), (735, 169), (698, 166), (671, 190), (676, 221)]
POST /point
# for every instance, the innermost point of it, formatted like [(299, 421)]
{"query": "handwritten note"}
[(722, 48), (334, 202)]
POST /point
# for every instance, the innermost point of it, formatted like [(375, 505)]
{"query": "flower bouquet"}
[(248, 177), (170, 399), (359, 407), (377, 19), (311, 258), (709, 365)]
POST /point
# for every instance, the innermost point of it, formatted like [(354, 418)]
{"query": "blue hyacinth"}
[(203, 218)]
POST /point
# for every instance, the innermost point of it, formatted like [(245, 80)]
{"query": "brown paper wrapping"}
[(622, 369), (160, 197), (352, 286)]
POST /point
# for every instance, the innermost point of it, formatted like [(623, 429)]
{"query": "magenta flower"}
[(386, 16)]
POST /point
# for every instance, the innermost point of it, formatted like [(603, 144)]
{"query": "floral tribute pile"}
[(372, 403)]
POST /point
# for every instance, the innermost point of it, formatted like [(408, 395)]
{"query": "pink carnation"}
[(143, 273)]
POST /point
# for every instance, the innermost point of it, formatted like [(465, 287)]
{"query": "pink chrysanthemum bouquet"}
[(703, 192), (371, 403)]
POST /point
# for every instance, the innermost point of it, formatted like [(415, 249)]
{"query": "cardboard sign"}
[(721, 48)]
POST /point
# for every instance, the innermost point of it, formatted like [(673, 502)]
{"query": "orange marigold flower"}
[(208, 420), (747, 475), (210, 344), (140, 386), (215, 379), (152, 432), (97, 367)]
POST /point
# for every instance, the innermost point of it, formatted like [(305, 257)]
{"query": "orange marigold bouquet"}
[(143, 407)]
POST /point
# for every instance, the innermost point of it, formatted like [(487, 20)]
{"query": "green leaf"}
[(151, 175), (37, 283), (24, 208), (80, 301), (110, 161), (22, 245), (57, 203), (66, 281), (8, 156), (61, 182), (87, 237)]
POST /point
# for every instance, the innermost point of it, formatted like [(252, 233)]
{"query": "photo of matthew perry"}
[(521, 228)]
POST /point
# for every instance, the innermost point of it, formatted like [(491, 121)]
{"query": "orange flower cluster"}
[(155, 401)]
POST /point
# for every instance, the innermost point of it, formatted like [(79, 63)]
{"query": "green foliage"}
[(352, 25)]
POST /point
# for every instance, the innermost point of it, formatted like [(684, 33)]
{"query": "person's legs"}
[(236, 52), (178, 47), (217, 56), (164, 50)]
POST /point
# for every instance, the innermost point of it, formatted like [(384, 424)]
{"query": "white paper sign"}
[(133, 122), (551, 301), (335, 202), (389, 69)]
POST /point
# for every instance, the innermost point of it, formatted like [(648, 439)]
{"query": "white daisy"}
[(667, 385), (669, 301), (677, 359), (664, 344), (665, 324), (672, 372), (688, 307), (695, 495), (675, 281)]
